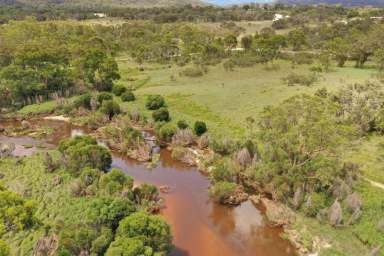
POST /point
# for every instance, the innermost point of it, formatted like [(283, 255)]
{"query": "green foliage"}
[(128, 96), (315, 203), (110, 108), (182, 124), (166, 132), (15, 213), (298, 79), (102, 96), (124, 246), (4, 249), (116, 181), (222, 191), (154, 102), (301, 122), (152, 230), (83, 151), (110, 210), (83, 101), (223, 170), (161, 115), (200, 128), (118, 89)]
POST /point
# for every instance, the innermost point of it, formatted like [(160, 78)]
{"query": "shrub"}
[(182, 124), (161, 115), (128, 96), (83, 101), (193, 71), (102, 96), (223, 170), (118, 89), (110, 108), (115, 181), (83, 151), (297, 79), (166, 132), (183, 137), (4, 249), (200, 128), (153, 231), (154, 102), (223, 146), (222, 191)]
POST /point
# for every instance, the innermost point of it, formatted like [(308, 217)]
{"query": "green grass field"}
[(225, 99)]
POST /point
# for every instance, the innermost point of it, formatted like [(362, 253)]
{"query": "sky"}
[(231, 2)]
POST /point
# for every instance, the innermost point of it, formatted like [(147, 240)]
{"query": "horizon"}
[(233, 2)]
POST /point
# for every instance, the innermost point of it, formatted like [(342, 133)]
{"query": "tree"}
[(340, 49), (301, 137), (230, 41), (110, 108), (83, 151), (297, 39), (153, 231), (379, 58), (246, 42)]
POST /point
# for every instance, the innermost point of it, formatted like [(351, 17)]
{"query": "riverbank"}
[(212, 229)]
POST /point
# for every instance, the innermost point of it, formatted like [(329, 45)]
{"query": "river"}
[(200, 226)]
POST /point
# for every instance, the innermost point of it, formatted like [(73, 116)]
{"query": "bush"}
[(110, 108), (297, 79), (128, 96), (153, 231), (182, 124), (83, 101), (166, 132), (200, 128), (102, 96), (222, 191), (118, 89), (83, 151), (4, 249), (154, 102), (223, 170), (193, 71), (223, 146), (161, 115)]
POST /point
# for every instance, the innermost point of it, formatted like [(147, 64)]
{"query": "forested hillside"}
[(90, 3), (343, 2)]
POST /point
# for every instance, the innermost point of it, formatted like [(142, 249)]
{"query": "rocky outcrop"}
[(277, 214)]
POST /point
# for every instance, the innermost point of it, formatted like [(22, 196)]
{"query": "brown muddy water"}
[(200, 227)]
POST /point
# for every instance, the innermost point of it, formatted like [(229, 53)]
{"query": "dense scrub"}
[(88, 211)]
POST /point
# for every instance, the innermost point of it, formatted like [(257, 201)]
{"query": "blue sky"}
[(230, 2)]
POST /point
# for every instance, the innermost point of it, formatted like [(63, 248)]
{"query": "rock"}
[(335, 214), (6, 149), (237, 197), (165, 189), (2, 129), (25, 124), (46, 246), (278, 214), (354, 202)]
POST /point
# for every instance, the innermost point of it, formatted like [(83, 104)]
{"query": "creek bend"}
[(200, 226)]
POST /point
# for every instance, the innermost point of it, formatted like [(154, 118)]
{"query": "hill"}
[(342, 2), (116, 3)]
